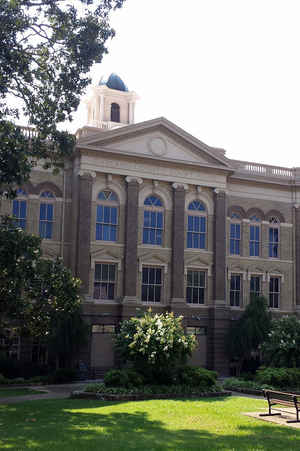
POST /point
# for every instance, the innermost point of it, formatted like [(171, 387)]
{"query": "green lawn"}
[(207, 424), (8, 392)]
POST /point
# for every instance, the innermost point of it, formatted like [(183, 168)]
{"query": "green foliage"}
[(47, 49), (39, 296), (155, 344), (123, 378), (279, 377), (19, 254), (176, 389), (250, 331), (282, 345), (62, 376), (234, 383), (13, 368), (197, 377)]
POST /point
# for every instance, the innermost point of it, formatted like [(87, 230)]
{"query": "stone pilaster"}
[(131, 239), (220, 248), (219, 314), (84, 228), (178, 240), (297, 253)]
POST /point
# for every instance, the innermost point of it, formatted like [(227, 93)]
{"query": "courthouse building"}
[(146, 215)]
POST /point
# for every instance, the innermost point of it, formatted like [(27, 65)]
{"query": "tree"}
[(282, 345), (53, 313), (155, 344), (38, 297), (249, 332), (19, 254), (47, 48)]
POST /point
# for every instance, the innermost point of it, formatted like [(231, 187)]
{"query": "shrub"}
[(62, 375), (155, 344), (151, 389), (282, 345), (234, 383), (194, 376), (123, 378), (279, 377)]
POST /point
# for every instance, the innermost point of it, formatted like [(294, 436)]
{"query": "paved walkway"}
[(51, 392)]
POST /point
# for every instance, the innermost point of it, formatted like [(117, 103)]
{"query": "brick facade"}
[(158, 159)]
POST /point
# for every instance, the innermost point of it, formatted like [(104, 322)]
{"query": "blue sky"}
[(227, 71)]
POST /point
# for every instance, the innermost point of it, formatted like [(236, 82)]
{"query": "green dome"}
[(113, 82)]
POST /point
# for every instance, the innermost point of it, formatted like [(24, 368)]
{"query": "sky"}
[(226, 71)]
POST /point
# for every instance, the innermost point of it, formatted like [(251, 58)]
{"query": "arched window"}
[(19, 209), (46, 214), (115, 112), (196, 227), (274, 237), (107, 216), (153, 221), (235, 234), (254, 241)]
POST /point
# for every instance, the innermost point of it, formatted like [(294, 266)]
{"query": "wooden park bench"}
[(275, 398)]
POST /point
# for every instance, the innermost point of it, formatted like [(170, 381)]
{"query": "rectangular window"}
[(153, 227), (106, 223), (105, 281), (255, 288), (19, 213), (195, 287), (151, 284), (235, 238), (196, 234), (195, 330), (46, 220), (274, 292), (235, 290), (103, 328), (254, 241), (273, 242)]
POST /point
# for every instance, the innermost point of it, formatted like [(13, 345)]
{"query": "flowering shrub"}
[(282, 346), (155, 344)]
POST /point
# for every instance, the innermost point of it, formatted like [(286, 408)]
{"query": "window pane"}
[(152, 275), (189, 240), (49, 212), (190, 223), (23, 209), (147, 218), (160, 220), (43, 211), (98, 272), (157, 294), (203, 225), (105, 272), (145, 275), (202, 241), (196, 224), (99, 213), (113, 215), (106, 217), (111, 273)]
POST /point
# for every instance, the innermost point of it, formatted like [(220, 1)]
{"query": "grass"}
[(186, 425), (9, 392)]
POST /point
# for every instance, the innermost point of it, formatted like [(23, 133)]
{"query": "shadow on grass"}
[(76, 425)]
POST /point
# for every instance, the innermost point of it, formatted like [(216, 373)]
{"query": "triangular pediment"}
[(196, 261), (157, 139), (153, 259), (104, 254)]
